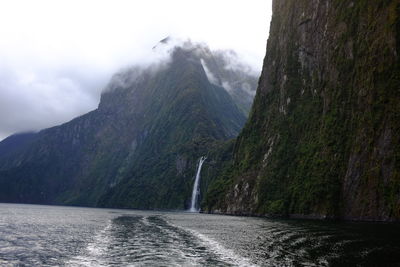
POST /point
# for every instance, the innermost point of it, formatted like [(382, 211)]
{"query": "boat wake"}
[(152, 240)]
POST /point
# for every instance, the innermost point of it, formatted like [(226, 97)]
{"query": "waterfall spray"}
[(196, 188)]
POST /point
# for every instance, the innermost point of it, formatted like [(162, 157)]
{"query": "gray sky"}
[(56, 56)]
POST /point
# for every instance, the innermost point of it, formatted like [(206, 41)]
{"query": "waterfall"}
[(196, 189)]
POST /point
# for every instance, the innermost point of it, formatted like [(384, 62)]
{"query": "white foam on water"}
[(145, 221), (175, 255), (94, 252), (226, 255)]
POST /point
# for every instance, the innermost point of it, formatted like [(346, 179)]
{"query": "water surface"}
[(33, 235)]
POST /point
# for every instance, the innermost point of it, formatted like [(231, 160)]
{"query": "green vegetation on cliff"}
[(191, 117), (140, 148), (323, 137)]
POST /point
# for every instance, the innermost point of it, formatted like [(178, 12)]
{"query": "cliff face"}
[(323, 137)]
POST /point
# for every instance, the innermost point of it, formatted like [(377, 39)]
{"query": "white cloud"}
[(210, 76), (56, 56)]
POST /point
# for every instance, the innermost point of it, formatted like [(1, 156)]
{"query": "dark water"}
[(32, 235)]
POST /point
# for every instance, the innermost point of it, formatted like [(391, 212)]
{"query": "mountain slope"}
[(15, 142), (323, 138), (151, 126), (185, 122)]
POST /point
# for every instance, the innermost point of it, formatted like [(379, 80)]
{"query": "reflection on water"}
[(32, 235)]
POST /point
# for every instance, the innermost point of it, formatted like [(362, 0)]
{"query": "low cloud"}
[(210, 76), (56, 57), (31, 100)]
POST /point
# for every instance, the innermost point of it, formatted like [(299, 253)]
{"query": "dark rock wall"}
[(323, 135)]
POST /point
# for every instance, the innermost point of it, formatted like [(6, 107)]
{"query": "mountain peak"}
[(149, 118), (162, 42), (223, 68)]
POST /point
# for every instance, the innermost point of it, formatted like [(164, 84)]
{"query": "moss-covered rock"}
[(323, 136)]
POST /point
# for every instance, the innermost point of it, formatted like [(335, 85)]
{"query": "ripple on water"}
[(151, 240), (32, 235)]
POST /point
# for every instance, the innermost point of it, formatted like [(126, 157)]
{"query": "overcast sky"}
[(56, 56)]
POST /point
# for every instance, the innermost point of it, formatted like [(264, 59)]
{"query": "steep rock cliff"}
[(140, 147), (323, 137)]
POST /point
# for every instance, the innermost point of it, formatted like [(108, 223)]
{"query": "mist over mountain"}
[(223, 68), (140, 147), (321, 140), (186, 130), (53, 68)]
